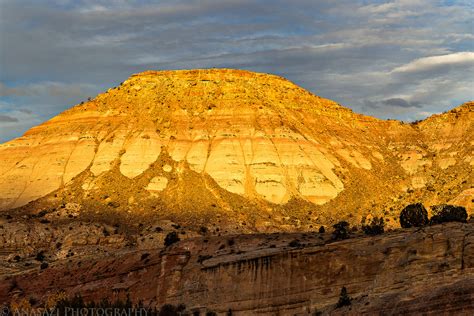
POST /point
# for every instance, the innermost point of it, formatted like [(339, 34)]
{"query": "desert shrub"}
[(40, 256), (448, 213), (171, 238), (171, 310), (344, 298), (168, 310), (413, 215), (341, 230), (322, 230), (376, 227)]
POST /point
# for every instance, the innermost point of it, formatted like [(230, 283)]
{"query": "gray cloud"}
[(433, 62), (391, 103), (54, 89), (400, 102), (7, 119)]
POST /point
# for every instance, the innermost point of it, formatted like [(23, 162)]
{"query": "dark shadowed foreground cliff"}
[(429, 270)]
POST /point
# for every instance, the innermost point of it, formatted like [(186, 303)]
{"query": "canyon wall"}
[(412, 271)]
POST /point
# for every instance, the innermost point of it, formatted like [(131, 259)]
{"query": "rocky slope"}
[(414, 271), (236, 151)]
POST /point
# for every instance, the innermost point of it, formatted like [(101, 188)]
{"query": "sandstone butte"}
[(243, 151), (215, 155)]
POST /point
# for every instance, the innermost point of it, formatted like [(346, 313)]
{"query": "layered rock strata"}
[(234, 144), (413, 271)]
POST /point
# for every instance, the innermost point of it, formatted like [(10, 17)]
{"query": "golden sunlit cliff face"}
[(240, 150)]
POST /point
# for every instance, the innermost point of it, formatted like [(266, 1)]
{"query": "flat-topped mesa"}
[(191, 94), (155, 92), (245, 130), (217, 140)]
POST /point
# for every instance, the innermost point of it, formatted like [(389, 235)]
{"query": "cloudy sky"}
[(403, 59)]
